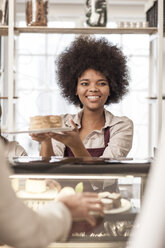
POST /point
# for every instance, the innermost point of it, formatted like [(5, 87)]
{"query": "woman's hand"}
[(39, 136), (46, 144), (71, 139), (67, 138), (81, 204)]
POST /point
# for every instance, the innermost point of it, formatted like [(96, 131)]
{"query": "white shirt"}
[(151, 221), (23, 228), (14, 149), (121, 135)]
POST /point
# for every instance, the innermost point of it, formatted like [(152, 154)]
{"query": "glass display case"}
[(120, 185)]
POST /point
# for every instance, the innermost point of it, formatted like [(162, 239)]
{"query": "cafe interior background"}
[(35, 83), (28, 87)]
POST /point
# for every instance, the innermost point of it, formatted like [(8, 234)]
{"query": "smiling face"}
[(92, 89)]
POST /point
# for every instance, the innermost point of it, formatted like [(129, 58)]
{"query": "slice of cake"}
[(114, 197), (48, 187), (35, 186), (107, 203), (45, 122)]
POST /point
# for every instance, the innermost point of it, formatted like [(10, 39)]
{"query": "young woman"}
[(91, 73)]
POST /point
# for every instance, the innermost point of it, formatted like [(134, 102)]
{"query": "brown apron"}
[(94, 152), (97, 185)]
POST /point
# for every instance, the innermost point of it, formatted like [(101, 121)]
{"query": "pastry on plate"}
[(114, 197), (45, 122)]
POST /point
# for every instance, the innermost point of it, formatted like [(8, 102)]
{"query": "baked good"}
[(45, 122), (15, 184), (41, 185), (35, 186), (114, 197), (53, 185), (66, 191), (107, 203)]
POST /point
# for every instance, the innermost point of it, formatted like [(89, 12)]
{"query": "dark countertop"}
[(79, 166)]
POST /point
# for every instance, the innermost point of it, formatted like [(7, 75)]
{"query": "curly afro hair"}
[(87, 52)]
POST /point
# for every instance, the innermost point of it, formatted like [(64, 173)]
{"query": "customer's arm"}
[(20, 226)]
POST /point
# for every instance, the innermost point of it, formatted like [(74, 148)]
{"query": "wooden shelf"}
[(6, 98), (90, 30), (155, 98), (3, 30)]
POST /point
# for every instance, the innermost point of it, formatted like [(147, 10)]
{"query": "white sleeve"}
[(23, 228), (58, 148), (14, 149), (121, 136), (151, 221), (20, 151)]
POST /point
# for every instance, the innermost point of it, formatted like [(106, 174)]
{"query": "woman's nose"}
[(93, 88)]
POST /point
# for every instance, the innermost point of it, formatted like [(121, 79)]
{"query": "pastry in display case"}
[(40, 181)]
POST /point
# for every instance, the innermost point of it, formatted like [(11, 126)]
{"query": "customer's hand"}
[(81, 204)]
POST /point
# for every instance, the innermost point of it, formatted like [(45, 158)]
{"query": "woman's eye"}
[(84, 83), (102, 83)]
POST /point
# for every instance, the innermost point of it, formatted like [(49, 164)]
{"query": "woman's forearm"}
[(80, 151), (46, 148)]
